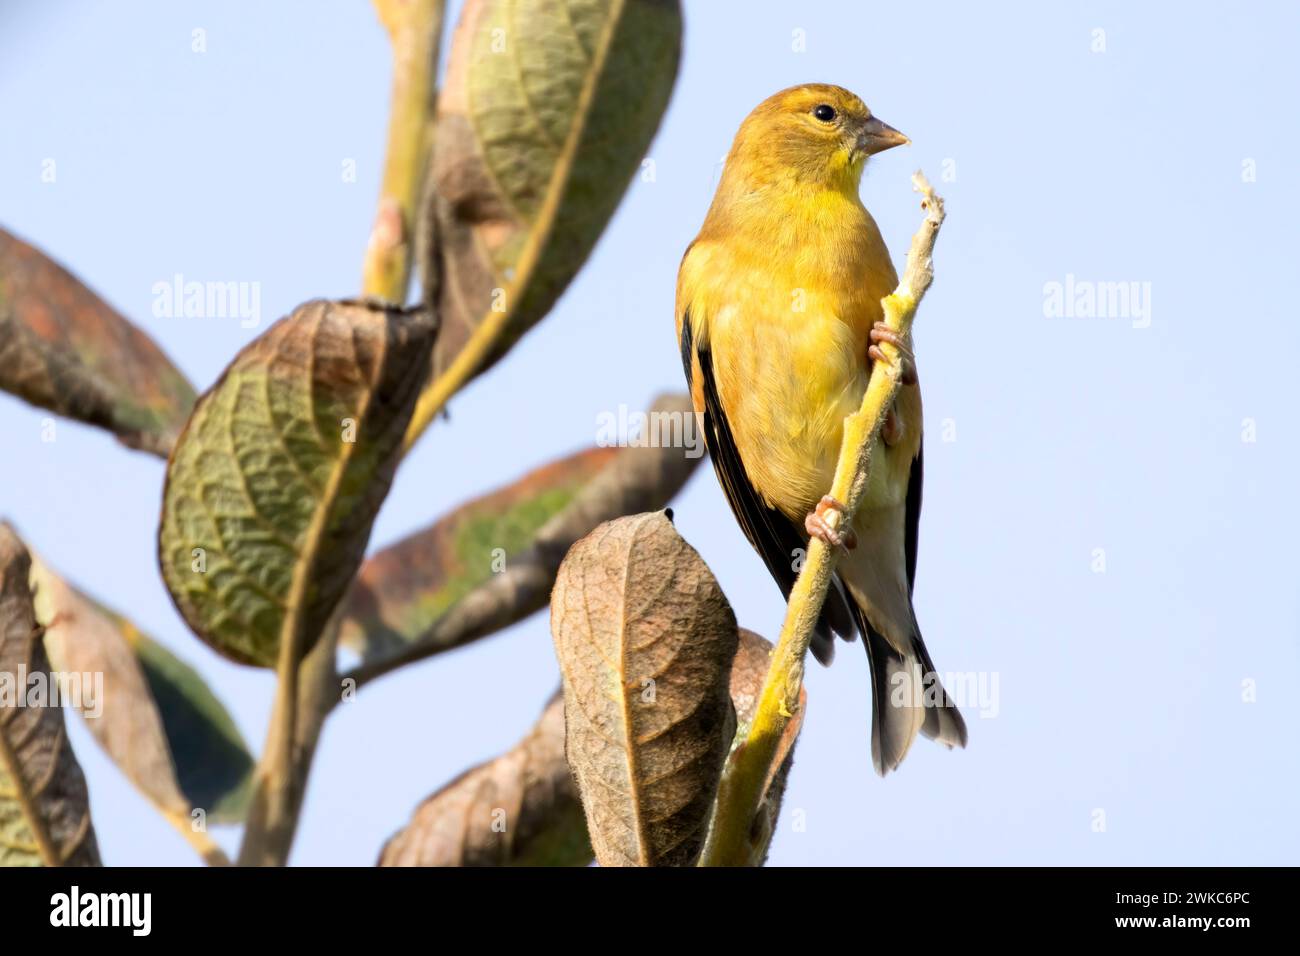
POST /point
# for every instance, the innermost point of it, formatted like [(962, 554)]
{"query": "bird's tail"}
[(907, 698)]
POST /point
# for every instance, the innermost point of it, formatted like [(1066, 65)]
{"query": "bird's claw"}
[(817, 525), (881, 332)]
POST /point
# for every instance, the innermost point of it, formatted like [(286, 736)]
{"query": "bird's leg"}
[(818, 527), (880, 332)]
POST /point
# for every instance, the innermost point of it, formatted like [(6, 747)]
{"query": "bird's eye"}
[(824, 112)]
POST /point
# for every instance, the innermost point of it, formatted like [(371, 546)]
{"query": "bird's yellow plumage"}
[(777, 299)]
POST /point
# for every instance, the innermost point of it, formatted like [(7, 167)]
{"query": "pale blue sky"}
[(1119, 691)]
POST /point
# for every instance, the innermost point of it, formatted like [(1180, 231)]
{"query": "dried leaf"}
[(157, 719), (532, 787), (401, 591), (546, 112), (213, 765), (63, 348), (44, 808), (519, 809), (645, 639), (437, 589), (747, 675), (276, 480)]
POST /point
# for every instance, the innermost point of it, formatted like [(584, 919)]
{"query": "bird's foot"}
[(817, 525), (881, 332)]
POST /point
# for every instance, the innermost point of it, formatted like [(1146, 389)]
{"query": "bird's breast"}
[(790, 366), (789, 303)]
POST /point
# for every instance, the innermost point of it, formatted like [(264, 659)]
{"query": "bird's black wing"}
[(912, 527), (773, 535), (945, 722)]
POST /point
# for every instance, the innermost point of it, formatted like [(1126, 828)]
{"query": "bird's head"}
[(816, 132)]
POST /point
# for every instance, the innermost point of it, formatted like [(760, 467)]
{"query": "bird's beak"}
[(876, 137)]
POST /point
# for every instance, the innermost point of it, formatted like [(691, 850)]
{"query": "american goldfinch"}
[(779, 321)]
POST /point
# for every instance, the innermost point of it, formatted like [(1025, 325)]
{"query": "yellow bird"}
[(779, 321)]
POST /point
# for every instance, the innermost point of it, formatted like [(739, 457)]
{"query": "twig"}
[(415, 28), (268, 810), (305, 694), (744, 780), (199, 840)]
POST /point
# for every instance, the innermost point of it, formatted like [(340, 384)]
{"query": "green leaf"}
[(44, 807), (157, 718), (401, 591), (64, 348), (492, 562), (276, 480), (645, 640), (546, 112)]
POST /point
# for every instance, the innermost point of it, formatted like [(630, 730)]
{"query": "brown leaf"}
[(44, 807), (165, 731), (645, 639), (63, 348), (125, 721), (531, 784), (401, 591), (276, 480), (434, 591), (519, 809)]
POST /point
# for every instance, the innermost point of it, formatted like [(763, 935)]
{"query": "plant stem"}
[(306, 692), (415, 28), (745, 778)]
